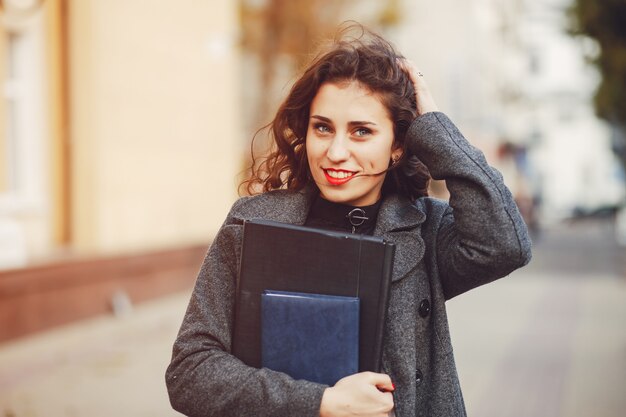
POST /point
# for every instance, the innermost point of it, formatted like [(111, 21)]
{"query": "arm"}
[(203, 378), (481, 236)]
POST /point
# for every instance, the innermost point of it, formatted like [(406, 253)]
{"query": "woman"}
[(358, 129)]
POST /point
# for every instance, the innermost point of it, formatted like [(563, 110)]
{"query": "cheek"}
[(311, 154), (314, 148), (379, 158), (309, 150)]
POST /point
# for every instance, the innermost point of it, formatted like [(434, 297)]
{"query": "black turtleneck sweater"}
[(325, 214)]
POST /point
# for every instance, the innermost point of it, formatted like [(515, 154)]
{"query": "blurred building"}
[(518, 86), (575, 169), (122, 125), (119, 134)]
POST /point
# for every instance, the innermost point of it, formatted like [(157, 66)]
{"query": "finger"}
[(387, 387), (381, 381), (425, 102), (415, 75)]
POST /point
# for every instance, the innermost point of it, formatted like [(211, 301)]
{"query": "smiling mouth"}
[(338, 176)]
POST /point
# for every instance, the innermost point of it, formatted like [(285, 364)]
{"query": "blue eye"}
[(362, 131), (321, 128)]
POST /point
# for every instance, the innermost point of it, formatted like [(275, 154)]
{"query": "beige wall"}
[(3, 137), (153, 121)]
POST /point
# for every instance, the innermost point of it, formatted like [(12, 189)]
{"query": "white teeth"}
[(339, 174)]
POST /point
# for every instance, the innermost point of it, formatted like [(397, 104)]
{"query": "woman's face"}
[(349, 141)]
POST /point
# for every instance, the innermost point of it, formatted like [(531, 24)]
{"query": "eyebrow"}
[(352, 123)]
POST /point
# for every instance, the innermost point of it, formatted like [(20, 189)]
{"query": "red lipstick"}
[(340, 176)]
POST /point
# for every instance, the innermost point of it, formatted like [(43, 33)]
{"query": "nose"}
[(338, 150)]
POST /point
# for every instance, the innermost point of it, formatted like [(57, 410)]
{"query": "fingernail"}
[(393, 385)]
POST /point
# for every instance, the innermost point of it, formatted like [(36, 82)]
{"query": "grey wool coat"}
[(442, 250)]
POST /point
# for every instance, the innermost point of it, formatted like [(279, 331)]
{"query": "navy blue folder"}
[(310, 336)]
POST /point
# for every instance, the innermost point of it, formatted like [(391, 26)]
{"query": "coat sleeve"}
[(203, 378), (481, 236)]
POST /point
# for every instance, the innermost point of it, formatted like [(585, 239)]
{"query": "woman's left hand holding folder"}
[(363, 394)]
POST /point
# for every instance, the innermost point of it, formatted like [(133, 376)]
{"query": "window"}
[(10, 107), (24, 188), (22, 121)]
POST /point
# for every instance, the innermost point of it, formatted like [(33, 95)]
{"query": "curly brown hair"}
[(369, 60)]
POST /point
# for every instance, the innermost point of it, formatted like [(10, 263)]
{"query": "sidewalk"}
[(542, 346), (549, 340), (102, 367)]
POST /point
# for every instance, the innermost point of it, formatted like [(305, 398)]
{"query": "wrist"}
[(327, 401)]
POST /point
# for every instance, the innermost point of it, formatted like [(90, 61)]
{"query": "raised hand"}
[(425, 101)]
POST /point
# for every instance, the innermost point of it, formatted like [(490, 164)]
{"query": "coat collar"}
[(397, 220)]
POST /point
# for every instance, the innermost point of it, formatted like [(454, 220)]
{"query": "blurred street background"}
[(126, 127)]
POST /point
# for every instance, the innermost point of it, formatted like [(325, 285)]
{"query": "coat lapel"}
[(397, 221)]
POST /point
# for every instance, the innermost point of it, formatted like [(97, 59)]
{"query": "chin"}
[(336, 196), (342, 197)]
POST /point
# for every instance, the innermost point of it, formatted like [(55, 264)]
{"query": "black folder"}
[(284, 257)]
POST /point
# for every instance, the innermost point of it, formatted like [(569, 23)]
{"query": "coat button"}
[(418, 376), (424, 308)]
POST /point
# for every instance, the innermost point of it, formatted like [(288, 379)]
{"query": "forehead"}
[(348, 100)]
